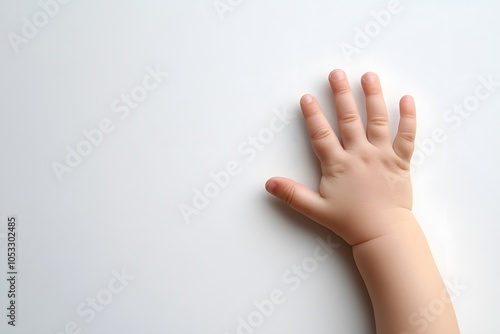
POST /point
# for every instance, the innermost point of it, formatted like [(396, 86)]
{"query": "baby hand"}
[(365, 190)]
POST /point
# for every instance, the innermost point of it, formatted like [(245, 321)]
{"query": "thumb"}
[(297, 196)]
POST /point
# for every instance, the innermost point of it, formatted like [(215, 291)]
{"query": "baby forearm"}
[(402, 279)]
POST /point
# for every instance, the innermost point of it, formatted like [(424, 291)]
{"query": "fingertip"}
[(404, 142), (296, 195), (371, 86), (407, 99), (271, 186), (407, 107), (336, 75), (369, 77), (306, 99)]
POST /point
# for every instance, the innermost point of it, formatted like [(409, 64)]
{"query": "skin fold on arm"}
[(365, 197)]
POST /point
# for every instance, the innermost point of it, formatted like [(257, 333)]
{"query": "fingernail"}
[(369, 77), (407, 99), (271, 186), (306, 99), (337, 75)]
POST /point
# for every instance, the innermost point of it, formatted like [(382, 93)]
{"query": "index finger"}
[(324, 141)]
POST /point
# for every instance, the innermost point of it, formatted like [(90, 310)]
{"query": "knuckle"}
[(349, 117), (407, 136), (378, 120), (321, 133), (289, 195), (342, 89)]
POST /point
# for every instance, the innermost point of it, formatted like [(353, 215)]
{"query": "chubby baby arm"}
[(365, 197)]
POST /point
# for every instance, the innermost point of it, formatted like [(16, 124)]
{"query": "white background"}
[(228, 74)]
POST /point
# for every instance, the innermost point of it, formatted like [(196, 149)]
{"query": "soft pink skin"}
[(365, 197)]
